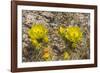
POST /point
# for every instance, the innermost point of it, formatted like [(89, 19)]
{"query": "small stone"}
[(23, 59), (25, 36), (25, 44), (47, 14), (25, 52)]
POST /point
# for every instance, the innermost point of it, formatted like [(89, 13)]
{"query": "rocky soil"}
[(52, 20)]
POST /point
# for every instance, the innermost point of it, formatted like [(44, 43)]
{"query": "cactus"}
[(71, 33), (66, 55), (38, 34)]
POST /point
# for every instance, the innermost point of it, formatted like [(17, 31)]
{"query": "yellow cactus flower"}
[(45, 39), (36, 43), (37, 33), (46, 56), (46, 50), (73, 34), (66, 55)]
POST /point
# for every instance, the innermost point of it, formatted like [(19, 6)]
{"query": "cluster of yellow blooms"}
[(38, 32), (71, 33)]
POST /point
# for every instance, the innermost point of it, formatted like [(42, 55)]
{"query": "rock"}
[(24, 59), (25, 36), (25, 52), (29, 19), (25, 30), (53, 25), (47, 14), (25, 44)]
